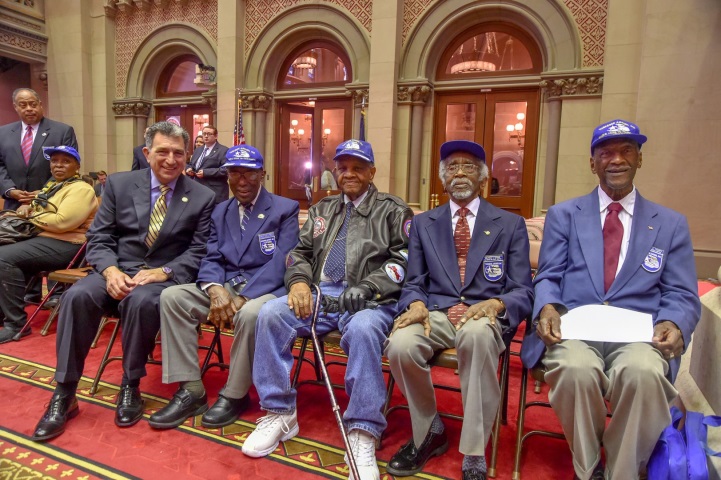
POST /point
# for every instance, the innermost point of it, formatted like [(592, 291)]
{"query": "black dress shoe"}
[(225, 411), (181, 406), (32, 298), (474, 474), (410, 460), (130, 407), (11, 332), (61, 409)]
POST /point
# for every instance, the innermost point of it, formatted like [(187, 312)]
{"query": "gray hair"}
[(17, 91), (167, 129), (482, 167)]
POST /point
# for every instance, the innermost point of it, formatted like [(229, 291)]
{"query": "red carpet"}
[(93, 447)]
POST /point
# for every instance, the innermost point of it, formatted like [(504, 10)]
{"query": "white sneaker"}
[(363, 446), (271, 430)]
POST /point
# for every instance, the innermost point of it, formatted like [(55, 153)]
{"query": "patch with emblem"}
[(653, 261), (318, 226), (395, 272), (289, 261), (267, 243), (407, 227), (493, 266), (404, 254)]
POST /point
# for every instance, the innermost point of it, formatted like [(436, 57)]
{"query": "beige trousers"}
[(182, 309), (631, 377), (478, 345)]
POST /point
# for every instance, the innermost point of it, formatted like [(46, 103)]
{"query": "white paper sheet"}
[(604, 323)]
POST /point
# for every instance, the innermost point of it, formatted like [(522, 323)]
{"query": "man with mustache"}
[(613, 247), (469, 280)]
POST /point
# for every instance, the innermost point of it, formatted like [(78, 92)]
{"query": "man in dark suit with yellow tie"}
[(23, 169), (206, 164), (149, 233)]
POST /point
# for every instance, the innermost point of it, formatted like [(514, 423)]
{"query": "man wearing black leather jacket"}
[(354, 246)]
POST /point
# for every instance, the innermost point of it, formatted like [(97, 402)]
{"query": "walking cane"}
[(319, 352)]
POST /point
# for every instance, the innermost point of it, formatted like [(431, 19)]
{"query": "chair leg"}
[(106, 358), (500, 414), (299, 364), (103, 323), (215, 348), (49, 321), (519, 426), (505, 372)]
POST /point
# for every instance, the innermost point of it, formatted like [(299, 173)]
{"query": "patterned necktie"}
[(335, 263), (27, 144), (157, 216), (200, 158), (462, 239), (612, 237), (247, 209)]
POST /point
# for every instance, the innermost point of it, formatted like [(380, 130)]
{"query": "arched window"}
[(178, 78), (315, 64), (487, 50)]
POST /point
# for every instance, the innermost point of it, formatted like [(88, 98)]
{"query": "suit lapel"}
[(481, 241), (587, 220), (232, 224), (208, 155), (141, 199), (439, 230), (175, 211), (644, 229), (260, 213), (42, 135), (17, 132)]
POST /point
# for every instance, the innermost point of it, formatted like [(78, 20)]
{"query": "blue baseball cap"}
[(463, 146), (617, 129), (243, 156), (49, 151), (355, 148)]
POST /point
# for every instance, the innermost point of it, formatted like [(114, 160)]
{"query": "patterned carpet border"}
[(302, 453)]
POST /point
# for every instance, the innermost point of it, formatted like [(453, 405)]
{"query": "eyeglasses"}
[(248, 176), (208, 134), (466, 167)]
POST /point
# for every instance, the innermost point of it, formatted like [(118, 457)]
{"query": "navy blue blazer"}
[(13, 171), (214, 176), (117, 234), (258, 255), (497, 265), (139, 160), (658, 275)]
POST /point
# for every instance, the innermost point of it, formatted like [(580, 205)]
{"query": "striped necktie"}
[(612, 238), (157, 216), (245, 215), (462, 239), (27, 144), (335, 262), (199, 162)]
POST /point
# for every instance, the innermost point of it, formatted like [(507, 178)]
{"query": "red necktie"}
[(462, 239), (27, 144), (612, 237)]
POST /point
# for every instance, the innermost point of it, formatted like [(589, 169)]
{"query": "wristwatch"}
[(168, 271)]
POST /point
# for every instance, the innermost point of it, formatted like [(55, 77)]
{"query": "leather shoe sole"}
[(225, 411)]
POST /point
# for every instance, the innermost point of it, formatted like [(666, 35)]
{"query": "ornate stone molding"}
[(111, 8), (132, 107), (586, 86), (414, 94), (256, 102), (143, 5), (211, 98), (360, 96)]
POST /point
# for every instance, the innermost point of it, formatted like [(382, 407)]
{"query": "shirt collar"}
[(210, 147), (472, 207), (357, 202), (155, 183), (34, 125), (255, 200), (627, 202)]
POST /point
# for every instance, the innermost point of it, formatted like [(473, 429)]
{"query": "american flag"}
[(238, 134)]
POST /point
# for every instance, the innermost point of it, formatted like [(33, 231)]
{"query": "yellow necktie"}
[(157, 216)]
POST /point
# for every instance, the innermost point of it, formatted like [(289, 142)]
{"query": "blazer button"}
[(463, 298), (605, 303)]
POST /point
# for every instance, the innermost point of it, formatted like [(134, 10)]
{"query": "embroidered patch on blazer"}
[(407, 227), (395, 272), (404, 253), (493, 266), (318, 226), (267, 242), (289, 261), (653, 261)]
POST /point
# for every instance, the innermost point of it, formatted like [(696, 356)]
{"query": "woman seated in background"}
[(62, 211)]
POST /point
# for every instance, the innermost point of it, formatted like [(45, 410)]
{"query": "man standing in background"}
[(205, 164)]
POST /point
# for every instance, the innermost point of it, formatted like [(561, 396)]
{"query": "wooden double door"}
[(506, 124)]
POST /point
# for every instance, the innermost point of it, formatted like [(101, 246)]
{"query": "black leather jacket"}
[(376, 247)]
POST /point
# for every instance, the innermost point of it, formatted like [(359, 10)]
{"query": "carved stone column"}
[(210, 98), (555, 90), (257, 105), (416, 96)]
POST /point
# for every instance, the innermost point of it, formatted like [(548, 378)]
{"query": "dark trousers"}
[(20, 261), (82, 307)]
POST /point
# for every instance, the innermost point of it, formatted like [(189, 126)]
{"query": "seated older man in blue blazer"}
[(250, 236), (616, 248), (469, 280)]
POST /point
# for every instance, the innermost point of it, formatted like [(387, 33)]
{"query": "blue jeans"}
[(276, 331)]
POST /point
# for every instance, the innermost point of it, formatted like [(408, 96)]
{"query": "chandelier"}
[(307, 60), (485, 59)]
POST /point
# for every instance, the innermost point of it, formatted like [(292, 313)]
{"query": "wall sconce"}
[(515, 131), (326, 133)]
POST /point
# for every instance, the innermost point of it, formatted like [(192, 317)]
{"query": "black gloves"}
[(353, 299)]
